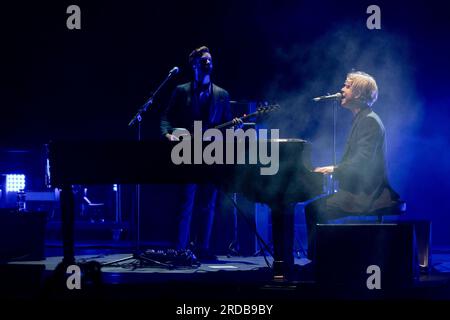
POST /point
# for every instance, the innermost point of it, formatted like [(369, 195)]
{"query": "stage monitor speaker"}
[(347, 254), (22, 235)]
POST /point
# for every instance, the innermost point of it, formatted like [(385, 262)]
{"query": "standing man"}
[(198, 100), (362, 173)]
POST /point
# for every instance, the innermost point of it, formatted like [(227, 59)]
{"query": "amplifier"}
[(349, 254)]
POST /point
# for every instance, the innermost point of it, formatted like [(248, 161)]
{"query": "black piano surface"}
[(133, 162), (139, 162)]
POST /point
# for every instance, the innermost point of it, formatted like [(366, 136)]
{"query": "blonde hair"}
[(364, 87)]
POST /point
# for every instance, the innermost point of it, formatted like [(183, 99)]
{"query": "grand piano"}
[(139, 162)]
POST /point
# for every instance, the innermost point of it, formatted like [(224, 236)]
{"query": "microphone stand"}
[(137, 119), (335, 105), (138, 116), (333, 182)]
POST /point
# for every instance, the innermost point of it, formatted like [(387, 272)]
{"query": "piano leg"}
[(68, 217), (283, 240)]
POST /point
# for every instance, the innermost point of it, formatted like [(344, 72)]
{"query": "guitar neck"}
[(230, 123)]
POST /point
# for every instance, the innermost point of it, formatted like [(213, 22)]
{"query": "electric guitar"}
[(259, 111)]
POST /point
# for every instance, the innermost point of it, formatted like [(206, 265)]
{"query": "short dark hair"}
[(197, 53)]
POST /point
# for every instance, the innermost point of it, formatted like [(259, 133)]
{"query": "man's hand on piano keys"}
[(171, 137), (324, 170)]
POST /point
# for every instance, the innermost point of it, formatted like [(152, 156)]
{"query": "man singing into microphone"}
[(198, 100), (362, 172)]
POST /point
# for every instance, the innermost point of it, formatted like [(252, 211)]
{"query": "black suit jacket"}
[(362, 173), (184, 109)]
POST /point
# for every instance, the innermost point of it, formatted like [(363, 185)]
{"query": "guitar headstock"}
[(267, 108)]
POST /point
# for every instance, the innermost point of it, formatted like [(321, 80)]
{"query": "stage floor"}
[(231, 278)]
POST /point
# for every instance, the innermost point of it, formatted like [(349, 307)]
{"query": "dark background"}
[(87, 84)]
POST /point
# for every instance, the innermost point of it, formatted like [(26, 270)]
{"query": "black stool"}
[(399, 208)]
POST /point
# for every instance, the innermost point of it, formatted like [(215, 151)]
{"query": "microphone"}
[(336, 96), (174, 71)]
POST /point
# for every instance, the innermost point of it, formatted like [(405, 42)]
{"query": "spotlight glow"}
[(15, 182)]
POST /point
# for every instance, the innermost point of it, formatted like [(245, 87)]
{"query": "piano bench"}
[(398, 209)]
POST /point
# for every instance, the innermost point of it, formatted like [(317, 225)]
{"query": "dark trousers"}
[(196, 215)]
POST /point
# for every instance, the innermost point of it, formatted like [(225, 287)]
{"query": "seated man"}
[(362, 173)]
